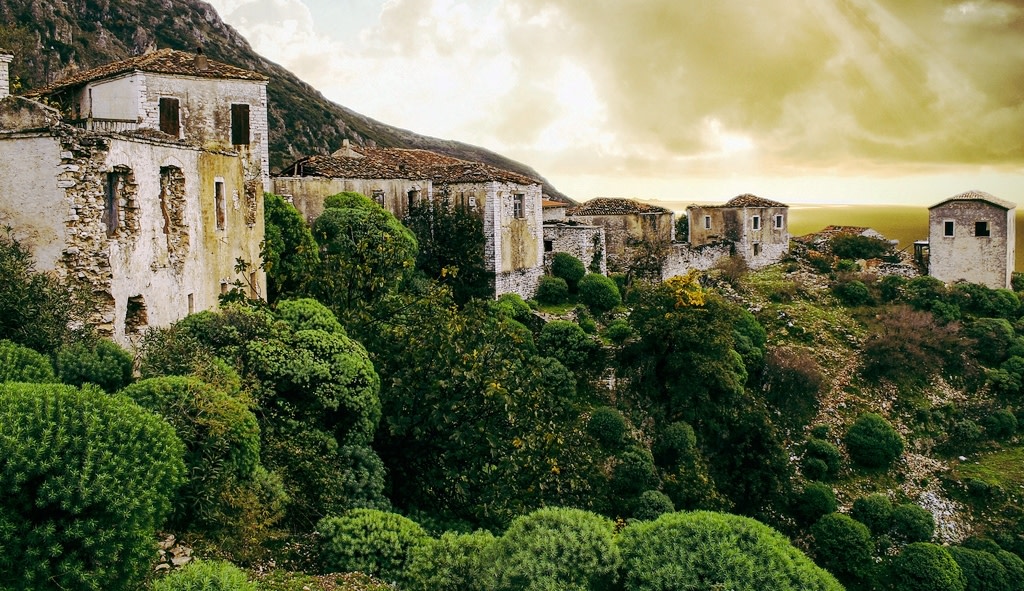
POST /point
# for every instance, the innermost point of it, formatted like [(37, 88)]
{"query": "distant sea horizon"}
[(903, 223)]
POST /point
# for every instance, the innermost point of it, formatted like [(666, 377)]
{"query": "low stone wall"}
[(523, 282), (683, 258), (583, 242)]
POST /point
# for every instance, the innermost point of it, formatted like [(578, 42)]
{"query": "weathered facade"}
[(757, 228), (150, 222), (587, 243), (633, 230), (508, 203), (972, 237)]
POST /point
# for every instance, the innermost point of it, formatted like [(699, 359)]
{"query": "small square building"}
[(972, 237)]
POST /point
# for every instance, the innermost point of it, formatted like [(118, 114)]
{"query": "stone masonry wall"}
[(583, 242), (683, 258)]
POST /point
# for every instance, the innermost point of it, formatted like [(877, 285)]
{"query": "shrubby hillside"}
[(811, 425)]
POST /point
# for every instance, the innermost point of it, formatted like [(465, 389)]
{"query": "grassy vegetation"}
[(1003, 468)]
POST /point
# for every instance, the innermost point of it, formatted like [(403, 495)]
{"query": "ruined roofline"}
[(741, 201), (614, 206), (975, 195), (163, 61)]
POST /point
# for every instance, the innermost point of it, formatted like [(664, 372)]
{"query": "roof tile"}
[(612, 206)]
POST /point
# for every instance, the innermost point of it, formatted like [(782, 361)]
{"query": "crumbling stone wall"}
[(683, 257), (581, 241), (172, 208)]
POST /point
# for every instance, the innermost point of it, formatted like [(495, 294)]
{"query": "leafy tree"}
[(205, 575), (992, 339), (86, 479), (21, 364), (607, 426), (704, 550), (552, 290), (791, 382), (814, 502), (557, 548), (289, 252), (922, 566), (911, 523), (872, 442), (980, 301), (451, 248), (454, 562), (599, 293), (36, 309), (566, 342), (982, 571), (843, 546), (100, 361), (365, 256), (568, 267), (634, 472), (374, 542), (683, 229)]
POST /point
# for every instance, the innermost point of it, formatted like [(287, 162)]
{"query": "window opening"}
[(517, 206), (757, 248), (707, 222), (948, 227), (220, 204), (982, 229), (549, 245), (778, 221), (413, 195), (116, 180), (378, 196), (240, 124), (191, 303), (755, 222), (135, 317), (169, 116)]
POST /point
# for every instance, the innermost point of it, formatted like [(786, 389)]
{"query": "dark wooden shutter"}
[(239, 125), (169, 122)]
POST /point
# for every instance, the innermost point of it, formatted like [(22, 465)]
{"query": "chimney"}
[(5, 74), (200, 61)]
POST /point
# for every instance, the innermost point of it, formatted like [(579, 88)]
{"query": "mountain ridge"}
[(52, 38)]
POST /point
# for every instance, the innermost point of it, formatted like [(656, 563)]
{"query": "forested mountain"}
[(51, 38)]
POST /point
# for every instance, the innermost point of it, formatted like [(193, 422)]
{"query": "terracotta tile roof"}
[(553, 203), (610, 206), (162, 61), (748, 200), (401, 163), (978, 196)]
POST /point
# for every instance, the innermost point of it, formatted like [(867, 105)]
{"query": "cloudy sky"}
[(886, 101)]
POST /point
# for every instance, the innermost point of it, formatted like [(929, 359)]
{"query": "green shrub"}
[(982, 571), (568, 267), (101, 362), (599, 293), (1000, 424), (848, 246), (566, 342), (675, 445), (891, 288), (704, 550), (911, 523), (557, 548), (221, 437), (791, 383), (21, 364), (308, 314), (374, 542), (618, 331), (872, 442), (852, 293), (874, 511), (651, 504), (963, 433), (993, 339), (552, 290), (824, 451), (202, 575), (925, 567), (635, 472), (843, 546), (813, 502), (85, 481), (607, 426), (814, 468), (454, 562), (1014, 566)]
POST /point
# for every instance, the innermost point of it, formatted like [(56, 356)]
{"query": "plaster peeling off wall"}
[(172, 207)]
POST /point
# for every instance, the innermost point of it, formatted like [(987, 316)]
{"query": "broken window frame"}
[(982, 229), (757, 248), (378, 197), (518, 206), (220, 204)]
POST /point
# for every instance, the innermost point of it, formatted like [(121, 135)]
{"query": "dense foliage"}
[(369, 541), (202, 575), (451, 244), (289, 252), (872, 441), (85, 481)]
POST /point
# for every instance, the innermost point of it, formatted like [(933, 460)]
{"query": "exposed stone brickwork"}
[(583, 242), (971, 237), (172, 206), (5, 75), (683, 258), (757, 227)]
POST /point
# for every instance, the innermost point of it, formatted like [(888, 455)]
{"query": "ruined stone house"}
[(635, 233), (972, 237), (756, 229), (141, 180), (509, 203), (583, 241)]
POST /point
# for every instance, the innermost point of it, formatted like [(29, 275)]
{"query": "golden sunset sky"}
[(844, 101)]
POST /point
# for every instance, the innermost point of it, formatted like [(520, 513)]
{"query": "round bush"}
[(982, 571), (1014, 566), (566, 342), (599, 293), (843, 546), (221, 437), (813, 502), (552, 290), (925, 567), (652, 504), (203, 575), (911, 523), (369, 541), (705, 550), (814, 469), (102, 362), (826, 452), (308, 314), (557, 548), (21, 364), (607, 426), (618, 331), (568, 267), (454, 562), (85, 480), (874, 511), (1000, 425), (635, 472), (852, 293), (676, 444), (872, 442)]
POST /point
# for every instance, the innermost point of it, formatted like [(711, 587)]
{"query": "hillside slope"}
[(53, 37)]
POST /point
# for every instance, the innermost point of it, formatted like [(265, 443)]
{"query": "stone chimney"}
[(5, 74), (200, 62)]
